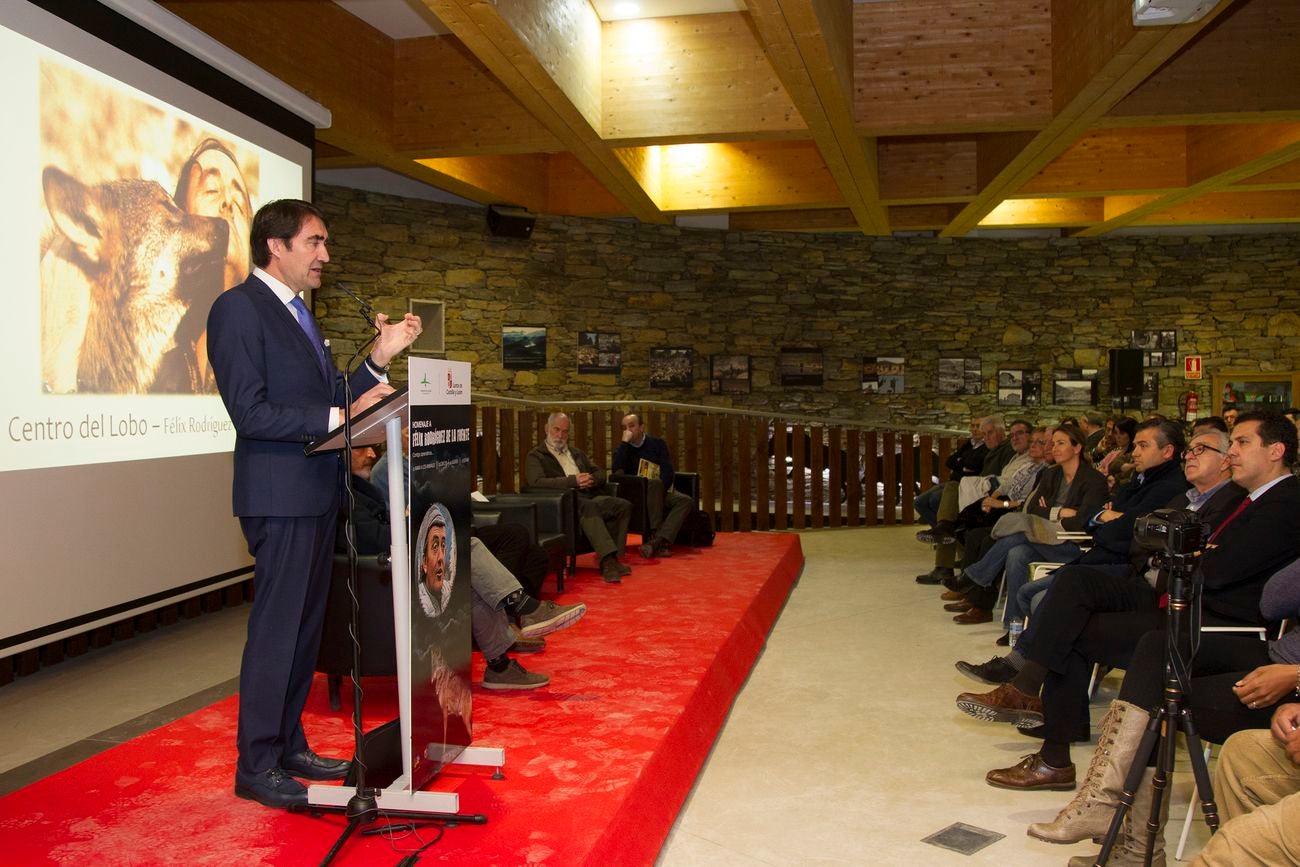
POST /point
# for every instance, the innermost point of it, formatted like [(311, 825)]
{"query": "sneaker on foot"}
[(549, 618), (515, 676), (528, 645)]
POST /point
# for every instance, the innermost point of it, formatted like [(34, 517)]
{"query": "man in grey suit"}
[(555, 464)]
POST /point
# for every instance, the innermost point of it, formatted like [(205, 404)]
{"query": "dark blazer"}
[(1086, 494), (1156, 487), (1212, 514), (278, 399), (1251, 547), (542, 470)]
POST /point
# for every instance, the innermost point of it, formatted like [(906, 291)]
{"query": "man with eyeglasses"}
[(1084, 593), (1249, 543)]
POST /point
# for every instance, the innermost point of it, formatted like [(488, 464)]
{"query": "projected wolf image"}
[(146, 219)]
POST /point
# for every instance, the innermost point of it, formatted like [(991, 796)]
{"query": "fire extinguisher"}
[(1190, 402)]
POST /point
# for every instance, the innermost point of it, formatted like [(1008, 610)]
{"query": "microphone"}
[(366, 310)]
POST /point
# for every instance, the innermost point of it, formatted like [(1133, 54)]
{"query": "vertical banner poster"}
[(441, 418)]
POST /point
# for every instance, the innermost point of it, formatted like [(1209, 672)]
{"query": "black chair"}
[(557, 512), (525, 511), (378, 650), (636, 490)]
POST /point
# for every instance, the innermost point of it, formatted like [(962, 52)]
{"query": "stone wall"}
[(1035, 304)]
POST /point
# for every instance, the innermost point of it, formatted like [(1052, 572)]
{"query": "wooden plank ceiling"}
[(811, 115)]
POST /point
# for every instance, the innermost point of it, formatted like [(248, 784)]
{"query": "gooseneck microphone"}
[(366, 310)]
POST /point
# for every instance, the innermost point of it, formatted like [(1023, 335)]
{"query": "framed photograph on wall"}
[(889, 374), (801, 366), (728, 374), (960, 376), (430, 341), (523, 347), (672, 367), (1074, 386), (600, 352)]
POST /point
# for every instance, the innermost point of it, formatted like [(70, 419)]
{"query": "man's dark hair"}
[(1021, 421), (1274, 428), (279, 219), (1212, 421), (1168, 433)]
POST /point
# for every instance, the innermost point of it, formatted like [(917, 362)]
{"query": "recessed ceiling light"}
[(627, 10)]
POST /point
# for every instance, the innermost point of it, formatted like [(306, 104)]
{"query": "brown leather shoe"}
[(1004, 704), (959, 605), (973, 615), (951, 595), (1032, 774)]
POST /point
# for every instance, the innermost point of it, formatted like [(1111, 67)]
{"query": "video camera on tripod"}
[(1176, 532)]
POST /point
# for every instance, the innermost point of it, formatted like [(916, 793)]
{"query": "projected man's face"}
[(216, 188), (435, 559), (299, 261)]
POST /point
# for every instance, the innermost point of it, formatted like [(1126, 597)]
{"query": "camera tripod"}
[(1181, 624)]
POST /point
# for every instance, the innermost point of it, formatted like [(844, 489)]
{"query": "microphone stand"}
[(362, 808)]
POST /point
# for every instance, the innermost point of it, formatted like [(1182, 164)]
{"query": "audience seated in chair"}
[(939, 505), (554, 464), (1068, 495), (497, 595), (666, 509), (1103, 618), (1257, 790)]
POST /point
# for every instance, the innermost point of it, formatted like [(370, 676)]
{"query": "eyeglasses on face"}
[(1198, 450)]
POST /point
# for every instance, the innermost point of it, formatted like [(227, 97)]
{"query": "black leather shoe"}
[(1081, 734), (933, 577), (272, 788), (994, 672), (310, 766)]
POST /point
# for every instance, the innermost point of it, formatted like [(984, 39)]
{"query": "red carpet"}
[(597, 764)]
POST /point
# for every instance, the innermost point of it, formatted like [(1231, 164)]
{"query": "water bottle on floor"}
[(1013, 633)]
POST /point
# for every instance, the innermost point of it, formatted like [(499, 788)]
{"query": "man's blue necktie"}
[(309, 328)]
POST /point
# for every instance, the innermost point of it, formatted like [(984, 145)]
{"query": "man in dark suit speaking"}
[(282, 390)]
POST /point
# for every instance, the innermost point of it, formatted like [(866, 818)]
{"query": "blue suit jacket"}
[(278, 399)]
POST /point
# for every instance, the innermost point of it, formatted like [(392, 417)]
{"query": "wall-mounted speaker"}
[(1125, 373), (510, 222)]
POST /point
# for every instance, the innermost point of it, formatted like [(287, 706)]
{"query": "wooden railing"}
[(834, 473)]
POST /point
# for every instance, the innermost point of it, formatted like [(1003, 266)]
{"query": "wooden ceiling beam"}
[(742, 176), (1280, 206), (448, 104), (810, 46), (1216, 158), (1111, 161), (1035, 213), (1284, 177), (356, 84), (921, 217), (546, 53), (1098, 58), (693, 78), (516, 179), (926, 169), (821, 220)]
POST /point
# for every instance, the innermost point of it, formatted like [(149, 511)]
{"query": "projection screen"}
[(132, 170)]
